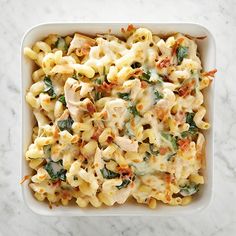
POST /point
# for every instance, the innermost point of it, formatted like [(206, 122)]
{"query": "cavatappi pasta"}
[(117, 118)]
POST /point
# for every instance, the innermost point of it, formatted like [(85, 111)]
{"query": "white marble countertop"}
[(17, 16)]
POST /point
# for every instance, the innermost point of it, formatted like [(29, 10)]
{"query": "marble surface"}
[(17, 16)]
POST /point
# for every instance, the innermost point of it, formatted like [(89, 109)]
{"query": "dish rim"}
[(144, 211)]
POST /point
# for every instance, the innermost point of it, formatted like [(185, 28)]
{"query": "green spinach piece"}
[(182, 52), (158, 96), (49, 87), (62, 100), (124, 184), (188, 190), (108, 174), (47, 151), (146, 76), (170, 156), (61, 44), (153, 152), (147, 156), (125, 96), (193, 129), (132, 109), (55, 175), (170, 138), (65, 124)]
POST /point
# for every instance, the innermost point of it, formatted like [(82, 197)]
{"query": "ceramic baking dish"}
[(207, 52)]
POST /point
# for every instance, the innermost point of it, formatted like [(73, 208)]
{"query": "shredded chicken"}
[(126, 144), (81, 43)]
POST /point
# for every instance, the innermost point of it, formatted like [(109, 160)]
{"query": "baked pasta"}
[(117, 118)]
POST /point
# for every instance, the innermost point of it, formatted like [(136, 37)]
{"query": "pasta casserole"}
[(117, 118)]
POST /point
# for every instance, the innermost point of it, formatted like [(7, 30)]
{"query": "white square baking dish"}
[(207, 52)]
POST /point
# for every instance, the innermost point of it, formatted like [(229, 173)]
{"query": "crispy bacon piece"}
[(57, 183), (161, 113), (105, 87), (91, 108), (163, 150), (184, 144), (137, 72), (210, 73), (144, 84), (24, 179), (176, 45), (186, 89), (125, 171), (97, 133), (164, 63), (130, 28)]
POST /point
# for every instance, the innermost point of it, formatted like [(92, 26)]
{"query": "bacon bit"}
[(105, 115), (176, 45), (164, 63), (210, 73), (56, 133), (130, 28), (105, 87), (163, 150), (186, 89), (144, 84), (110, 139), (137, 72), (161, 113), (66, 195), (97, 133), (24, 179), (168, 198), (184, 144), (125, 171), (91, 108), (57, 183)]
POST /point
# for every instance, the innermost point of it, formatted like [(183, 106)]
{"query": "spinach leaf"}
[(51, 167), (170, 156), (146, 76), (47, 150), (158, 96), (108, 174), (49, 88), (65, 124), (136, 65), (153, 152), (124, 184), (193, 129), (147, 156), (170, 138), (125, 96), (181, 53), (61, 44), (132, 109), (62, 100), (188, 190), (98, 95), (189, 118), (99, 81)]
